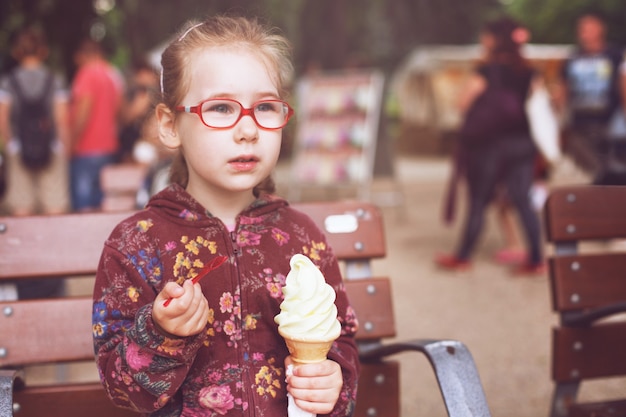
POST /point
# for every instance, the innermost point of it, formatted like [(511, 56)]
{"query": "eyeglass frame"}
[(197, 109)]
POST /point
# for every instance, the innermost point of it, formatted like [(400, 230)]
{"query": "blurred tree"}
[(446, 21), (64, 23), (554, 21), (327, 34), (339, 33)]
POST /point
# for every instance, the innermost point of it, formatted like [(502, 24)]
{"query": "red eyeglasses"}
[(224, 113)]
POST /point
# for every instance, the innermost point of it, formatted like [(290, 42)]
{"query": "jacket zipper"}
[(245, 377)]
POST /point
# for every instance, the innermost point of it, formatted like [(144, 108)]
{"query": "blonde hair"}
[(219, 31)]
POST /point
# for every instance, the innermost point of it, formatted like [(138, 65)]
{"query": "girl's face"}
[(226, 163)]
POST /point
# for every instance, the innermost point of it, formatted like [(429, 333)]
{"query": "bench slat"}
[(589, 352), (54, 330), (42, 246), (378, 389), (366, 242), (87, 400), (90, 232), (578, 213), (587, 281), (123, 178), (371, 299)]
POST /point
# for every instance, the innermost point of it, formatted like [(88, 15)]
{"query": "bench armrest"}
[(588, 317), (454, 368), (9, 378)]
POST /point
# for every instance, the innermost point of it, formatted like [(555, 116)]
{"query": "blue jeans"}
[(85, 180)]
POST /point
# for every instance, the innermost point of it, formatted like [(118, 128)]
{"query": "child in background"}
[(137, 115), (215, 349)]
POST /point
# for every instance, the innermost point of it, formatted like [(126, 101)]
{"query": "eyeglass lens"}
[(269, 114)]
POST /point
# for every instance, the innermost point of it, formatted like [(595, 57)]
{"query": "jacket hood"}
[(176, 202)]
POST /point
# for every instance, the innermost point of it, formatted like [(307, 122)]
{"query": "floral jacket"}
[(236, 366)]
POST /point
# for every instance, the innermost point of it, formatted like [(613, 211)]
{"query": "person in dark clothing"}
[(590, 96), (506, 160)]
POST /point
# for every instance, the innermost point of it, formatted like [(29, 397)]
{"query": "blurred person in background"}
[(506, 160), (97, 91), (45, 189), (137, 107), (589, 97), (512, 250), (139, 138)]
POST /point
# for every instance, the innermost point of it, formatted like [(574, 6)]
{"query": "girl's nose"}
[(246, 130)]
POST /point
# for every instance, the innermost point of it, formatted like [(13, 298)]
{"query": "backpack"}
[(35, 125), (496, 111)]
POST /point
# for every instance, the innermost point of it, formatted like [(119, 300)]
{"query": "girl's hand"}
[(315, 387), (188, 312)]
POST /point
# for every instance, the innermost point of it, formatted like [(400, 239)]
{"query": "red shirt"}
[(102, 84)]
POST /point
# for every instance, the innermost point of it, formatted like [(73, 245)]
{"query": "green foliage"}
[(327, 34), (554, 21)]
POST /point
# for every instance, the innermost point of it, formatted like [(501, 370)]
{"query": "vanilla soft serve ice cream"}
[(308, 311), (307, 319)]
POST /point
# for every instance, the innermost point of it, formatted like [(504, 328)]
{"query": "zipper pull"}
[(233, 238)]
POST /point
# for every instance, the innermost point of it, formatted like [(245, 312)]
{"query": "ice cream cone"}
[(308, 316), (308, 351)]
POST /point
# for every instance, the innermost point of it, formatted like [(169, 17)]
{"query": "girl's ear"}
[(167, 127)]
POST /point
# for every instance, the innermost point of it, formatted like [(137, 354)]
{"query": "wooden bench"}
[(588, 287), (120, 183), (59, 330)]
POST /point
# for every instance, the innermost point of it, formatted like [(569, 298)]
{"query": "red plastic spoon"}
[(214, 264)]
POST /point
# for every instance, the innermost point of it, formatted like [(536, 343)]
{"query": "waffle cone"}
[(305, 351)]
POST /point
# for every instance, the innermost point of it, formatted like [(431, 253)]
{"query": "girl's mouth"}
[(243, 163), (244, 159)]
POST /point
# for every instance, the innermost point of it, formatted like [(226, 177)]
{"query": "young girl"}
[(215, 348)]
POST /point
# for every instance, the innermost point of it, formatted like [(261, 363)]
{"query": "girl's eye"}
[(225, 108), (268, 106)]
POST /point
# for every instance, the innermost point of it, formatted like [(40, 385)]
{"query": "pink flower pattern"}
[(279, 236), (247, 238), (136, 359), (216, 398)]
